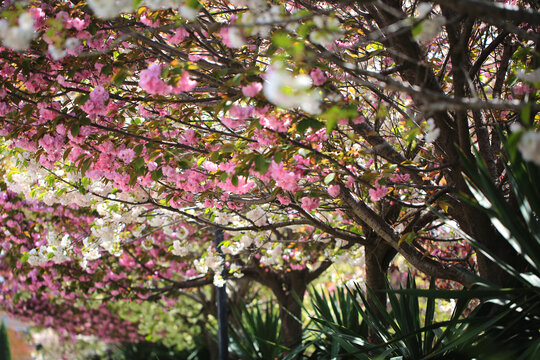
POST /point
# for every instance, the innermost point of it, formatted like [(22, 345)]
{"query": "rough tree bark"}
[(408, 54), (378, 258), (290, 312), (289, 289)]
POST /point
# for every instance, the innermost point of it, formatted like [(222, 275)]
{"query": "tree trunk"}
[(289, 289), (290, 313), (378, 258), (290, 296), (409, 54)]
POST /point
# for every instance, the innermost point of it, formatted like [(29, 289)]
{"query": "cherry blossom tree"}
[(308, 131)]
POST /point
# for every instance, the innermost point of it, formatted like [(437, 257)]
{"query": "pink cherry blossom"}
[(309, 204), (189, 137), (210, 166), (241, 112), (243, 187), (184, 84), (5, 108), (150, 80), (127, 155), (149, 22), (79, 24), (334, 190), (178, 36), (358, 120), (370, 162), (96, 104), (273, 123), (232, 123), (232, 37), (284, 179), (378, 193), (283, 200), (227, 167), (522, 89), (388, 61), (318, 77), (252, 89), (397, 177)]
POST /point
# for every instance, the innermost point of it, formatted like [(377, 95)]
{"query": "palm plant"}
[(506, 325), (256, 333), (335, 314), (347, 326), (518, 332), (5, 352)]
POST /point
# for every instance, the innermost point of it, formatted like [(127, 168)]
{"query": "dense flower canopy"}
[(305, 130)]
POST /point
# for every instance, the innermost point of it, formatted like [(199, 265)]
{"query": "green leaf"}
[(66, 153), (86, 181), (407, 237), (84, 121), (375, 46), (138, 149), (304, 29), (85, 166), (61, 192), (214, 156), (26, 66), (512, 80), (331, 124), (133, 178), (306, 123), (261, 163), (194, 4), (336, 113), (278, 156), (156, 175), (417, 29), (234, 180), (526, 114), (81, 99), (237, 79), (298, 48), (228, 148), (93, 28), (75, 129), (138, 163), (329, 178), (107, 70), (282, 39), (119, 78)]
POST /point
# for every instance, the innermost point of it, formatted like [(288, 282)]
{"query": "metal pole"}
[(223, 336)]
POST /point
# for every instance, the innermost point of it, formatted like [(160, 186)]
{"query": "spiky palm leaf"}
[(256, 332)]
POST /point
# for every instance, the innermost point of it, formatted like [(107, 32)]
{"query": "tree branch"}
[(387, 233)]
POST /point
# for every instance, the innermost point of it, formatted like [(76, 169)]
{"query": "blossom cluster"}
[(18, 37)]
